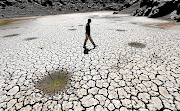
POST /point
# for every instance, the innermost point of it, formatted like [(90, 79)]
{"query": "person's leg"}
[(91, 40), (85, 41)]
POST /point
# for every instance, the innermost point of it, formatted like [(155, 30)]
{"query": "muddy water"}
[(9, 21)]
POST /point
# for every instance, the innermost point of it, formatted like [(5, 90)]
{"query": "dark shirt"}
[(88, 29)]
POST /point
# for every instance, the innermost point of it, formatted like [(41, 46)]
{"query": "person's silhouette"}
[(88, 36)]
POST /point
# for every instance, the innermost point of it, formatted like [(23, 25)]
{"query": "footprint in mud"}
[(12, 35), (32, 38)]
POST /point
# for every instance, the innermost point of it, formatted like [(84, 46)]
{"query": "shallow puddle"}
[(120, 30), (53, 83), (137, 45), (162, 25), (12, 35), (72, 29), (9, 21), (32, 38)]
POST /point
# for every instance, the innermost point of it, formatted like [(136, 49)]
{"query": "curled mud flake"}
[(137, 45), (12, 35), (53, 83), (32, 38)]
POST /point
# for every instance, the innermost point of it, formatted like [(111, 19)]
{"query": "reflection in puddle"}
[(137, 45), (53, 82), (12, 35)]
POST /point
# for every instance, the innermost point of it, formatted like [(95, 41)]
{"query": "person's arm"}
[(88, 30)]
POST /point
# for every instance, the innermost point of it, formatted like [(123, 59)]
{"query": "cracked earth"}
[(114, 76)]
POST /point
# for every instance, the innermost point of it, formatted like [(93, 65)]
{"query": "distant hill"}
[(21, 8), (150, 8)]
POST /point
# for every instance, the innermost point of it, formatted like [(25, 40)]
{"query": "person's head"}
[(89, 20)]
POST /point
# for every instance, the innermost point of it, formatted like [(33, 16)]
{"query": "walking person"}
[(88, 36)]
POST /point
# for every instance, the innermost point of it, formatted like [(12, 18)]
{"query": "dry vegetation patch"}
[(54, 82)]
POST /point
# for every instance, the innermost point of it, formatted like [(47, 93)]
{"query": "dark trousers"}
[(88, 37)]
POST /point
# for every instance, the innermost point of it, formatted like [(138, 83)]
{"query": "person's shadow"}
[(86, 50)]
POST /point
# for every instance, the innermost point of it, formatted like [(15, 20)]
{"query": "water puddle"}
[(120, 30), (72, 29), (10, 28), (137, 45), (9, 21), (162, 25), (12, 35), (54, 82), (32, 38)]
